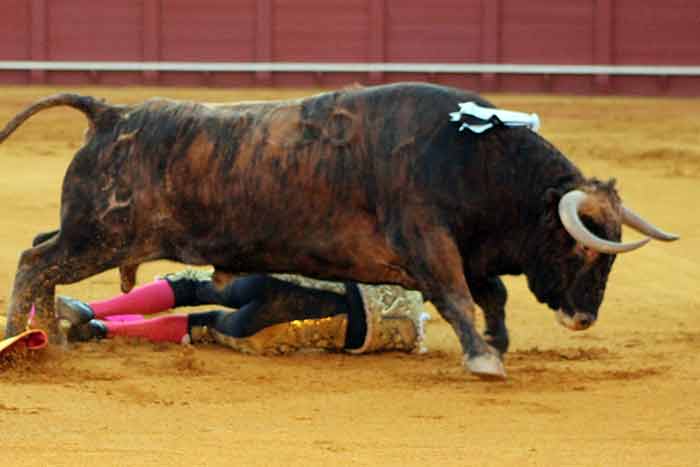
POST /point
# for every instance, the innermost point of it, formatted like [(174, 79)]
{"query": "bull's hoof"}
[(486, 366)]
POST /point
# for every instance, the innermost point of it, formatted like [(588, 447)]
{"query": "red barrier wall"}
[(584, 32)]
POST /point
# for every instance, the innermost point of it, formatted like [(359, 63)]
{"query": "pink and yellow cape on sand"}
[(30, 339)]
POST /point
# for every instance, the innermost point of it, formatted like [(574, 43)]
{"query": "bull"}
[(374, 185)]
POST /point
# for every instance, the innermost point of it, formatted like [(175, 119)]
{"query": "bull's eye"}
[(589, 255)]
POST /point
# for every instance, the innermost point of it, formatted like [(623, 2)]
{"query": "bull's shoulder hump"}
[(434, 95), (419, 88)]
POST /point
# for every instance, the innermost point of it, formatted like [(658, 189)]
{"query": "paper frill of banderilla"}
[(486, 115)]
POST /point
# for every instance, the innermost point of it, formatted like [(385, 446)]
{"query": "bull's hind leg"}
[(51, 262), (127, 272)]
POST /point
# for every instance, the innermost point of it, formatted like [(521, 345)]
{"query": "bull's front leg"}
[(491, 295), (438, 268), (457, 308)]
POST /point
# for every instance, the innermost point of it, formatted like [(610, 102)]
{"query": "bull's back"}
[(270, 176)]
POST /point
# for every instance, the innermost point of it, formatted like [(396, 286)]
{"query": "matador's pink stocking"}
[(171, 328), (147, 299)]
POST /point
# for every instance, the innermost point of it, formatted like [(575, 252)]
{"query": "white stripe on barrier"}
[(300, 67)]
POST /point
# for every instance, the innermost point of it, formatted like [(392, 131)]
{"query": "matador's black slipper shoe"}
[(93, 329)]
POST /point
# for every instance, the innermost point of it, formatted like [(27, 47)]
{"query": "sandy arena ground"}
[(625, 392)]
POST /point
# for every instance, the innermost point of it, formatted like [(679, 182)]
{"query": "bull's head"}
[(585, 232)]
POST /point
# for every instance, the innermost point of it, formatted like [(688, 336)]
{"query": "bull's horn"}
[(568, 213), (633, 220)]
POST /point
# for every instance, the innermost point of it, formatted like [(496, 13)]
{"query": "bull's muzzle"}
[(577, 322)]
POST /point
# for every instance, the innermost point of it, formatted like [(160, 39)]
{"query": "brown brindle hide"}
[(267, 188), (372, 184)]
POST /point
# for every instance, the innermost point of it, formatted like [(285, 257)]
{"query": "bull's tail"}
[(91, 107)]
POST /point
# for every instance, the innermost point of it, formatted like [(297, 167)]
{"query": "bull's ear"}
[(552, 197)]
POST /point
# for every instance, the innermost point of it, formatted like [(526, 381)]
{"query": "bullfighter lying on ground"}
[(275, 314)]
